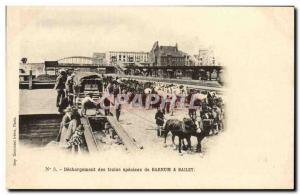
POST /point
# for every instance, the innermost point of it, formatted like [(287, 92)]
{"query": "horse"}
[(184, 130)]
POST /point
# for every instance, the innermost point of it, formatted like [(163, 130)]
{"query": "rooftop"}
[(171, 51)]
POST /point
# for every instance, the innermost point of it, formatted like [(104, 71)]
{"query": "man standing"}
[(118, 111), (60, 86), (159, 117), (70, 89)]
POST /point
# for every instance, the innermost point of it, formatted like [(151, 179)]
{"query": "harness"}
[(183, 126)]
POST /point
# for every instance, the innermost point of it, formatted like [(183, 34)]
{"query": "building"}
[(127, 58), (205, 57), (167, 56), (35, 68), (99, 58)]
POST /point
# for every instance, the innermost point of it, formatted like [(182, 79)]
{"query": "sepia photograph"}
[(149, 97)]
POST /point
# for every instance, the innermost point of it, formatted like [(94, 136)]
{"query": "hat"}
[(61, 70), (74, 109), (68, 109)]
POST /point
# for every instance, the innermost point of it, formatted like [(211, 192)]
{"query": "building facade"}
[(167, 56), (127, 58), (99, 58), (205, 57)]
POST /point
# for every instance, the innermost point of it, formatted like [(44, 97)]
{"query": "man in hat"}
[(60, 86), (69, 88), (159, 117), (64, 134), (76, 140), (69, 126)]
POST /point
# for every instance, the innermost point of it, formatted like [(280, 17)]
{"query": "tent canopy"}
[(81, 76)]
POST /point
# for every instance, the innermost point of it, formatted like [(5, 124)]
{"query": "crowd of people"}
[(207, 109)]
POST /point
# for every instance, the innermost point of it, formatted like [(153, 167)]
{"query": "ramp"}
[(88, 134), (129, 142)]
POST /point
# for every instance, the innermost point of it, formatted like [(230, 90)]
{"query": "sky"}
[(55, 32), (52, 33)]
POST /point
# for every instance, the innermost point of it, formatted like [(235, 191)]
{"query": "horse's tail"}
[(164, 127)]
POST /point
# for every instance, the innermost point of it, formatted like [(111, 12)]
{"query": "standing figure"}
[(168, 103), (118, 111), (70, 89), (159, 117), (60, 86)]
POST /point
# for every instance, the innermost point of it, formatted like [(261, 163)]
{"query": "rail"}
[(206, 85)]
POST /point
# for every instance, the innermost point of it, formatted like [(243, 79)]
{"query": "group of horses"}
[(184, 130)]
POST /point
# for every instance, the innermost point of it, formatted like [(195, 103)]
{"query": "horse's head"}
[(191, 125)]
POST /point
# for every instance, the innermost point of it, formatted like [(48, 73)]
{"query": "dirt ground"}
[(138, 122)]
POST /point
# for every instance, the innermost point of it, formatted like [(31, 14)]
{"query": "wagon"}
[(87, 83), (92, 83)]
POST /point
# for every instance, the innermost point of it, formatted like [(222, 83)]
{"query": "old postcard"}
[(150, 97)]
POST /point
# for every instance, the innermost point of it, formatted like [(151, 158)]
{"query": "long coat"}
[(67, 132)]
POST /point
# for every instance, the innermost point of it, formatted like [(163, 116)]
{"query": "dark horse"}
[(184, 130)]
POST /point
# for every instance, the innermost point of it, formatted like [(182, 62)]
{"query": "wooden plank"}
[(128, 141), (30, 79), (88, 134)]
